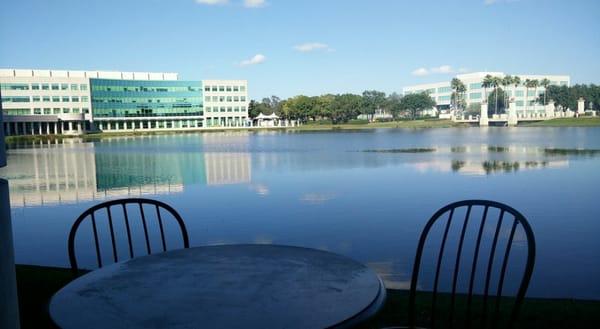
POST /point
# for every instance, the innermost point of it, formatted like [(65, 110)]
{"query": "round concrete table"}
[(228, 286)]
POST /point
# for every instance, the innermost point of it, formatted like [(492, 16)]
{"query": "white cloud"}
[(442, 69), (254, 3), (312, 46), (256, 59), (212, 2), (420, 72)]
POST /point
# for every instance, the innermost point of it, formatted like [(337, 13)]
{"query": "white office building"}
[(525, 98), (42, 102)]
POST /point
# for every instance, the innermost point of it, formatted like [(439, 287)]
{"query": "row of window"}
[(224, 88), (127, 100), (46, 110), (55, 99), (225, 109), (162, 89), (225, 99), (43, 86)]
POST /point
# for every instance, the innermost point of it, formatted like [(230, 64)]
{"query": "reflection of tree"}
[(495, 166), (457, 164)]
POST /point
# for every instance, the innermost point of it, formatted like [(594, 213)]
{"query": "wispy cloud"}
[(312, 46), (254, 3), (256, 59), (212, 2), (443, 69)]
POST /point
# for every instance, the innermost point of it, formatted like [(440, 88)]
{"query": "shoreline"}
[(405, 124)]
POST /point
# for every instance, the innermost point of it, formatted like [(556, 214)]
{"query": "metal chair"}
[(439, 216), (109, 206)]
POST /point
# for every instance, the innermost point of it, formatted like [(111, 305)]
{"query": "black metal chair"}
[(448, 319), (91, 214)]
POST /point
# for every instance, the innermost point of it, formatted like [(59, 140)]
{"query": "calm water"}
[(319, 190)]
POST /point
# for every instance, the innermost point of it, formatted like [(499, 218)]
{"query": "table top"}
[(227, 286)]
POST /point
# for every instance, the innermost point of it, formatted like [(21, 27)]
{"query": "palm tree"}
[(527, 86), (487, 82), (506, 81), (495, 83), (545, 83), (535, 84), (459, 88), (516, 82)]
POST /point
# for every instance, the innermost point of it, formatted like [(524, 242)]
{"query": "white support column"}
[(8, 129), (70, 126), (483, 116), (580, 106), (40, 128), (32, 127), (512, 112), (79, 130), (47, 128), (550, 109)]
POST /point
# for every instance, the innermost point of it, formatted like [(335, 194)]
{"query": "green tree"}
[(545, 83), (394, 104), (486, 83), (495, 82), (372, 100), (345, 107), (253, 109), (498, 95), (458, 93), (506, 82), (415, 103)]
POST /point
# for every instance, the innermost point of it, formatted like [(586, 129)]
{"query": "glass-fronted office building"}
[(40, 102)]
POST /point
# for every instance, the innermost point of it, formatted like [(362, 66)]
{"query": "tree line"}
[(340, 108)]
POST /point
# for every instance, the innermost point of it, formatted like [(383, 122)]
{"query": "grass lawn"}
[(567, 122), (37, 284), (429, 123)]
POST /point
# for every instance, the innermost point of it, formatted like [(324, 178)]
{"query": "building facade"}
[(525, 98), (41, 102)]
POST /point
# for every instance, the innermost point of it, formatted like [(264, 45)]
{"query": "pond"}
[(364, 194)]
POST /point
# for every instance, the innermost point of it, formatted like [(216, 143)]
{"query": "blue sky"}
[(286, 47)]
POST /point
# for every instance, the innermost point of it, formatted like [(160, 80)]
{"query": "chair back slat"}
[(474, 265), (128, 229), (457, 264), (162, 231), (148, 248), (127, 219), (112, 235), (449, 218)]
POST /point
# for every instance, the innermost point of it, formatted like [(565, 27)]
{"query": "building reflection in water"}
[(48, 173)]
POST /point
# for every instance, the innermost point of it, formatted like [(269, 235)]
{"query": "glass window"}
[(208, 109), (475, 95), (16, 99), (207, 98), (14, 86), (564, 83), (221, 88), (74, 87), (65, 110), (56, 110), (35, 98), (214, 88), (228, 88), (242, 88), (45, 86), (84, 98), (55, 86), (64, 86), (519, 93), (243, 109), (47, 110), (222, 109), (236, 88), (444, 89), (215, 98), (229, 109), (37, 111), (46, 98), (55, 99), (35, 86), (243, 98), (530, 93), (74, 98), (75, 110), (83, 87), (65, 98), (85, 110), (477, 85), (236, 98), (236, 109), (206, 88), (229, 98), (221, 98), (520, 103)]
